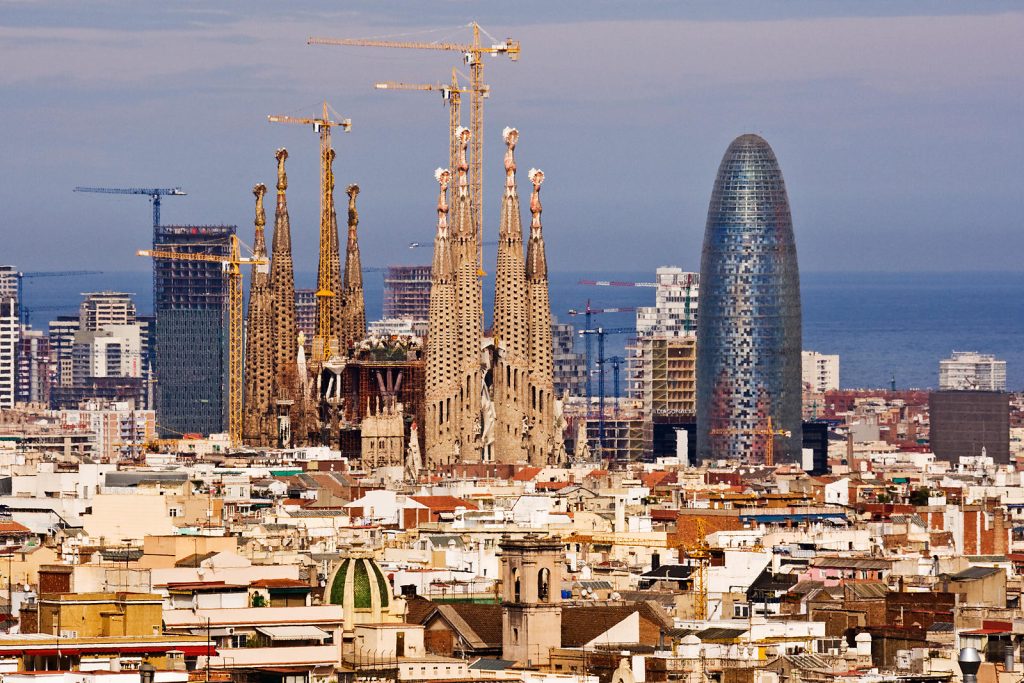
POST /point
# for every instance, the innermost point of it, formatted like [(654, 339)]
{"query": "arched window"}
[(516, 592), (544, 585)]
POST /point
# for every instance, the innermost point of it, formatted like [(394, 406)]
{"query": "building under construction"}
[(190, 301), (407, 293)]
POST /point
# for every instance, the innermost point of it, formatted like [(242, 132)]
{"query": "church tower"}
[(511, 325), (328, 285), (531, 599), (442, 358), (541, 400), (469, 303), (282, 287), (353, 313), (259, 359)]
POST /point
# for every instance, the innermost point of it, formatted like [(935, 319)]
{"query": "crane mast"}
[(231, 264), (768, 431)]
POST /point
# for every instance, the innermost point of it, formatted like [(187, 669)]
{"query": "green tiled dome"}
[(359, 584)]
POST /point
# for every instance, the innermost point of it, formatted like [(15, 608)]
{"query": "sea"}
[(888, 328)]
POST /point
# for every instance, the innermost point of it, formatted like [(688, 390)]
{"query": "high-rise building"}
[(10, 282), (749, 328), (973, 371), (570, 367), (9, 334), (190, 304), (62, 339), (407, 292), (305, 313), (99, 309), (674, 313), (819, 371), (33, 367), (970, 423)]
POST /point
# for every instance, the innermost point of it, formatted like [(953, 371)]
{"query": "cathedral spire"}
[(355, 306), (542, 437), (328, 285), (259, 360), (469, 300), (511, 325), (282, 287), (442, 371)]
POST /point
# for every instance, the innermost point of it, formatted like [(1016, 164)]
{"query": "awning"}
[(293, 632)]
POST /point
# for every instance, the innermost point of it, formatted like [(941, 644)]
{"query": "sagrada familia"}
[(490, 401), (485, 398)]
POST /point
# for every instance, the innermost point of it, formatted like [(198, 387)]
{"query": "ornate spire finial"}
[(463, 134), (536, 177), (282, 177), (443, 176), (511, 136), (353, 215), (261, 216)]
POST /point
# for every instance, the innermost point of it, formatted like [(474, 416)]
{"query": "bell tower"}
[(531, 600)]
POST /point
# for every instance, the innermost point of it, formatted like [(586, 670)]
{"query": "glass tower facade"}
[(190, 302), (748, 330)]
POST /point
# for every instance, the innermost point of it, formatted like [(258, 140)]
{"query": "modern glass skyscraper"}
[(748, 330)]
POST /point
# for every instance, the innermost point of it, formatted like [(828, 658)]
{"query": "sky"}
[(897, 124)]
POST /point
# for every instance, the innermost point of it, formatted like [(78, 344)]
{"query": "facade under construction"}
[(190, 301), (407, 293)]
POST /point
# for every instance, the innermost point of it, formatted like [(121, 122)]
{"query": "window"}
[(544, 584), (740, 610)]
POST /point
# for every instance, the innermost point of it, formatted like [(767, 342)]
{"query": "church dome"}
[(359, 585)]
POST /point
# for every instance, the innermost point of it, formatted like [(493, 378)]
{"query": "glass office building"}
[(748, 331)]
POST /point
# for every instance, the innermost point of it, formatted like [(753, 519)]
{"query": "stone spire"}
[(259, 351), (511, 325), (442, 357), (354, 313), (541, 438), (282, 287), (469, 300), (328, 281)]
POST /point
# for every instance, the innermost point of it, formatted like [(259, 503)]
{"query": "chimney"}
[(970, 662)]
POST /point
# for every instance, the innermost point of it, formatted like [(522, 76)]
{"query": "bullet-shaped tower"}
[(749, 328), (353, 314), (541, 399), (511, 321), (259, 350), (442, 371)]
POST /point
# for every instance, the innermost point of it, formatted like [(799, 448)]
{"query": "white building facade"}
[(973, 371), (820, 371)]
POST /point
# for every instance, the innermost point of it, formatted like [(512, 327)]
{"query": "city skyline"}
[(856, 98)]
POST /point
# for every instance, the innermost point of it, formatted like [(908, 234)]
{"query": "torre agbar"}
[(748, 331)]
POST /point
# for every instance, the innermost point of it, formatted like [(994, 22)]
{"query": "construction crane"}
[(472, 54), (154, 194), (325, 286), (24, 309), (600, 333), (616, 363), (451, 94), (698, 553), (767, 431), (589, 324), (232, 264), (616, 283)]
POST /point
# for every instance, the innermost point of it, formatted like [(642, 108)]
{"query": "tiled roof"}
[(443, 503), (12, 528), (526, 474)]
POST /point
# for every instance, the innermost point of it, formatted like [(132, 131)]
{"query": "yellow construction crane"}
[(768, 431), (452, 95), (232, 265), (472, 54), (699, 554), (326, 280)]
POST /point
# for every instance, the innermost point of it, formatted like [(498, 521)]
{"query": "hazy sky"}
[(898, 125)]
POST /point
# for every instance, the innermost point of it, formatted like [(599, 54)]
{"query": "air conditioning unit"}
[(230, 630)]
